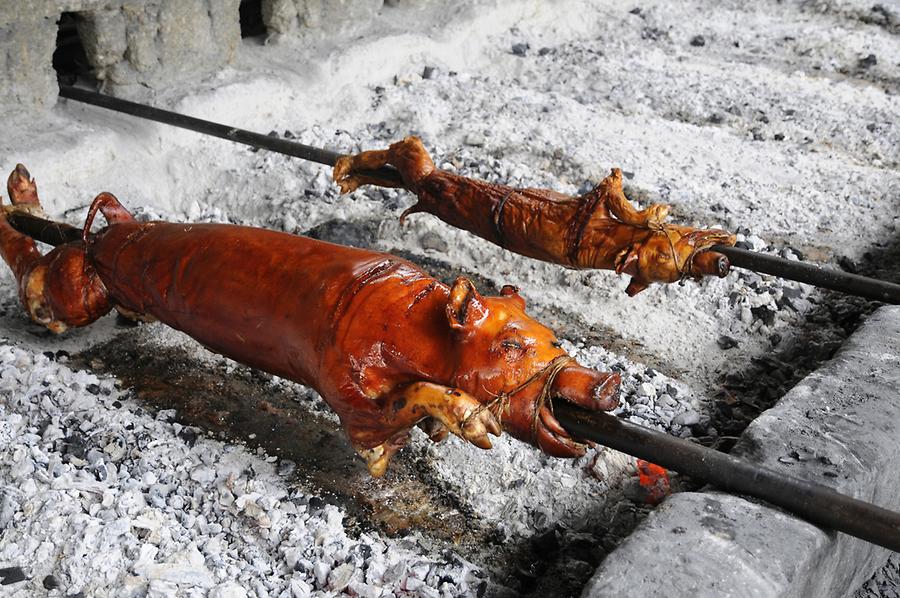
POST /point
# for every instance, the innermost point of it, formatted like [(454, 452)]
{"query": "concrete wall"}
[(136, 45)]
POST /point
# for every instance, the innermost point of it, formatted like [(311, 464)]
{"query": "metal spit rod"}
[(258, 140), (815, 503), (870, 288), (836, 280)]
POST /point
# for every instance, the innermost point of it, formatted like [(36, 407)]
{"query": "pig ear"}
[(512, 292), (627, 261), (464, 305)]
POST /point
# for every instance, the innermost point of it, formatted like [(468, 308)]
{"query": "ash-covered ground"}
[(135, 462)]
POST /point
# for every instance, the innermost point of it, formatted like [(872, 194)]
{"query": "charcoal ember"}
[(574, 571), (12, 575), (546, 543), (474, 139), (688, 418), (75, 445), (528, 575), (286, 467), (646, 390), (189, 435), (540, 519), (340, 577), (101, 473), (867, 62), (726, 342), (763, 313), (848, 265), (10, 502), (520, 48)]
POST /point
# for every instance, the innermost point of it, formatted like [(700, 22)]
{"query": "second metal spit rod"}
[(815, 503), (852, 284)]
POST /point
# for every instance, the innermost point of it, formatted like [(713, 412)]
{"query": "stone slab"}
[(838, 427)]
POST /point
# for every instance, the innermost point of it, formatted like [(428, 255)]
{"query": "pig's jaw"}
[(551, 437), (590, 390), (526, 410)]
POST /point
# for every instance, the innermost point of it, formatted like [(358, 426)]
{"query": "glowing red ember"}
[(654, 480)]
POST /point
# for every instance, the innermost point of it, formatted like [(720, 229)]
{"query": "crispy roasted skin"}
[(385, 344), (600, 229)]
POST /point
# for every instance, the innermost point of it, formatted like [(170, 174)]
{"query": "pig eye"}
[(512, 349), (512, 345)]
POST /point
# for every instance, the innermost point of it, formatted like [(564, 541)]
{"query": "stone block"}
[(170, 41), (102, 33), (131, 45), (297, 16), (26, 65), (838, 427)]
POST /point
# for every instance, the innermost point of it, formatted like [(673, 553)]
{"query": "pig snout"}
[(583, 387), (711, 263), (587, 388)]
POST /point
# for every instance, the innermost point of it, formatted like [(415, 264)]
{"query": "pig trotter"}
[(378, 458), (620, 207), (436, 431), (348, 179), (23, 192), (60, 289)]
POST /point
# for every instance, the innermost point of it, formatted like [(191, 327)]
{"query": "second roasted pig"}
[(600, 229)]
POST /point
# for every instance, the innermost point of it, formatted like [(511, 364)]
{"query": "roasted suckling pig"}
[(384, 343), (600, 229)]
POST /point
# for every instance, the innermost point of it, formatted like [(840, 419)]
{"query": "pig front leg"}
[(408, 156), (456, 410)]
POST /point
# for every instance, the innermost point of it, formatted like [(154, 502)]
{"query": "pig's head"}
[(672, 253), (516, 365)]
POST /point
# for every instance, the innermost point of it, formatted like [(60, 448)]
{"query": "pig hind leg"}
[(408, 156), (59, 290)]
